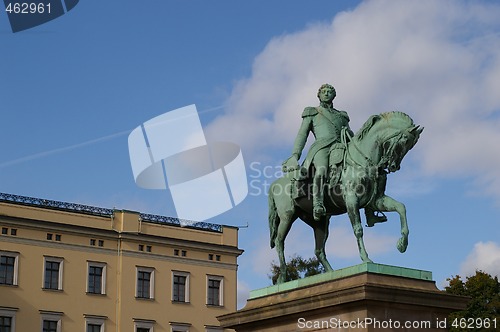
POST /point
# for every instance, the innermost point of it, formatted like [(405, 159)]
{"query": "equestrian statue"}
[(341, 173)]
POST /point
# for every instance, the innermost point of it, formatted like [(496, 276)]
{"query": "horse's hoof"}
[(281, 279), (367, 260), (402, 245)]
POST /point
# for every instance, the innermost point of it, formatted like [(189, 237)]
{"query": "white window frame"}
[(61, 269), (16, 265), (151, 270), (53, 316), (9, 312), (103, 278), (144, 324), (186, 290), (97, 320), (221, 290)]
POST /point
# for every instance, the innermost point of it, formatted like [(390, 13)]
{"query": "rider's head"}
[(329, 87)]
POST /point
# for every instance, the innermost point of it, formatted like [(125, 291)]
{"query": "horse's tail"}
[(274, 219)]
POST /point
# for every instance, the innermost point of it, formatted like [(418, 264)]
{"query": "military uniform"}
[(326, 125)]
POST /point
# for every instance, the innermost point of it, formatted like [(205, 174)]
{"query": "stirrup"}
[(375, 219)]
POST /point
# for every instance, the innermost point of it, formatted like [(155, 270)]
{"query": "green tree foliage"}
[(484, 291), (297, 268)]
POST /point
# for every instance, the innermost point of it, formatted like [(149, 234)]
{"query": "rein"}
[(367, 159)]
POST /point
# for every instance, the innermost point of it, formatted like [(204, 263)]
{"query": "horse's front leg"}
[(389, 204), (320, 237), (352, 206)]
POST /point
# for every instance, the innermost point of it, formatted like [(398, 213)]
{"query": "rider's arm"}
[(305, 127), (349, 131), (346, 117)]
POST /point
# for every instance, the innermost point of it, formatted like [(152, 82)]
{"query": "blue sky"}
[(73, 89)]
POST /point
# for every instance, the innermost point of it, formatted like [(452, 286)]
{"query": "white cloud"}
[(263, 255), (243, 293), (342, 242), (438, 61), (485, 257)]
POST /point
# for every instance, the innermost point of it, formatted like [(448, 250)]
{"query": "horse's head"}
[(392, 134), (395, 148)]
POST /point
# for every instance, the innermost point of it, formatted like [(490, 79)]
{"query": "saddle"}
[(335, 164), (301, 178)]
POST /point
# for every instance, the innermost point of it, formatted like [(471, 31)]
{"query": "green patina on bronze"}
[(343, 273), (341, 173)]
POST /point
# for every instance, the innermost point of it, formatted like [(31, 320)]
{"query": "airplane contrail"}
[(78, 145), (63, 149)]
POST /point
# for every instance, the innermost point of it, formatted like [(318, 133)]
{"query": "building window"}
[(58, 237), (53, 269), (143, 325), (179, 327), (215, 290), (213, 329), (7, 319), (13, 231), (148, 248), (145, 283), (94, 323), (183, 253), (50, 325), (176, 252), (6, 324), (141, 247), (49, 236), (5, 230), (211, 257), (92, 242), (96, 278), (101, 243), (180, 286), (51, 321), (217, 258), (94, 328), (8, 268)]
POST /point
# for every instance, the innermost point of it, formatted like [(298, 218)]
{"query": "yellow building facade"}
[(69, 267)]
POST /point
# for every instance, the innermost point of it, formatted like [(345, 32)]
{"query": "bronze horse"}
[(375, 150)]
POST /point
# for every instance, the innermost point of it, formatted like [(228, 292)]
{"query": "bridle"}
[(369, 161)]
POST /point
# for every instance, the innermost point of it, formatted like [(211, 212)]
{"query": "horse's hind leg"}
[(285, 210), (320, 237), (389, 204)]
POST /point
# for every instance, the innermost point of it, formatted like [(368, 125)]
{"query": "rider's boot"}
[(372, 218), (319, 210)]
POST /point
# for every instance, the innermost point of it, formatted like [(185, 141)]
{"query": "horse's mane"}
[(395, 115)]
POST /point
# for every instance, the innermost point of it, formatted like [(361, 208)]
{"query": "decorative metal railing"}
[(98, 211), (40, 202), (179, 222)]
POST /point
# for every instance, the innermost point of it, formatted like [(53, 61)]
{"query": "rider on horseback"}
[(326, 124)]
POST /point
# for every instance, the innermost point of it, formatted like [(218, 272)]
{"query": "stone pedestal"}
[(365, 297)]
